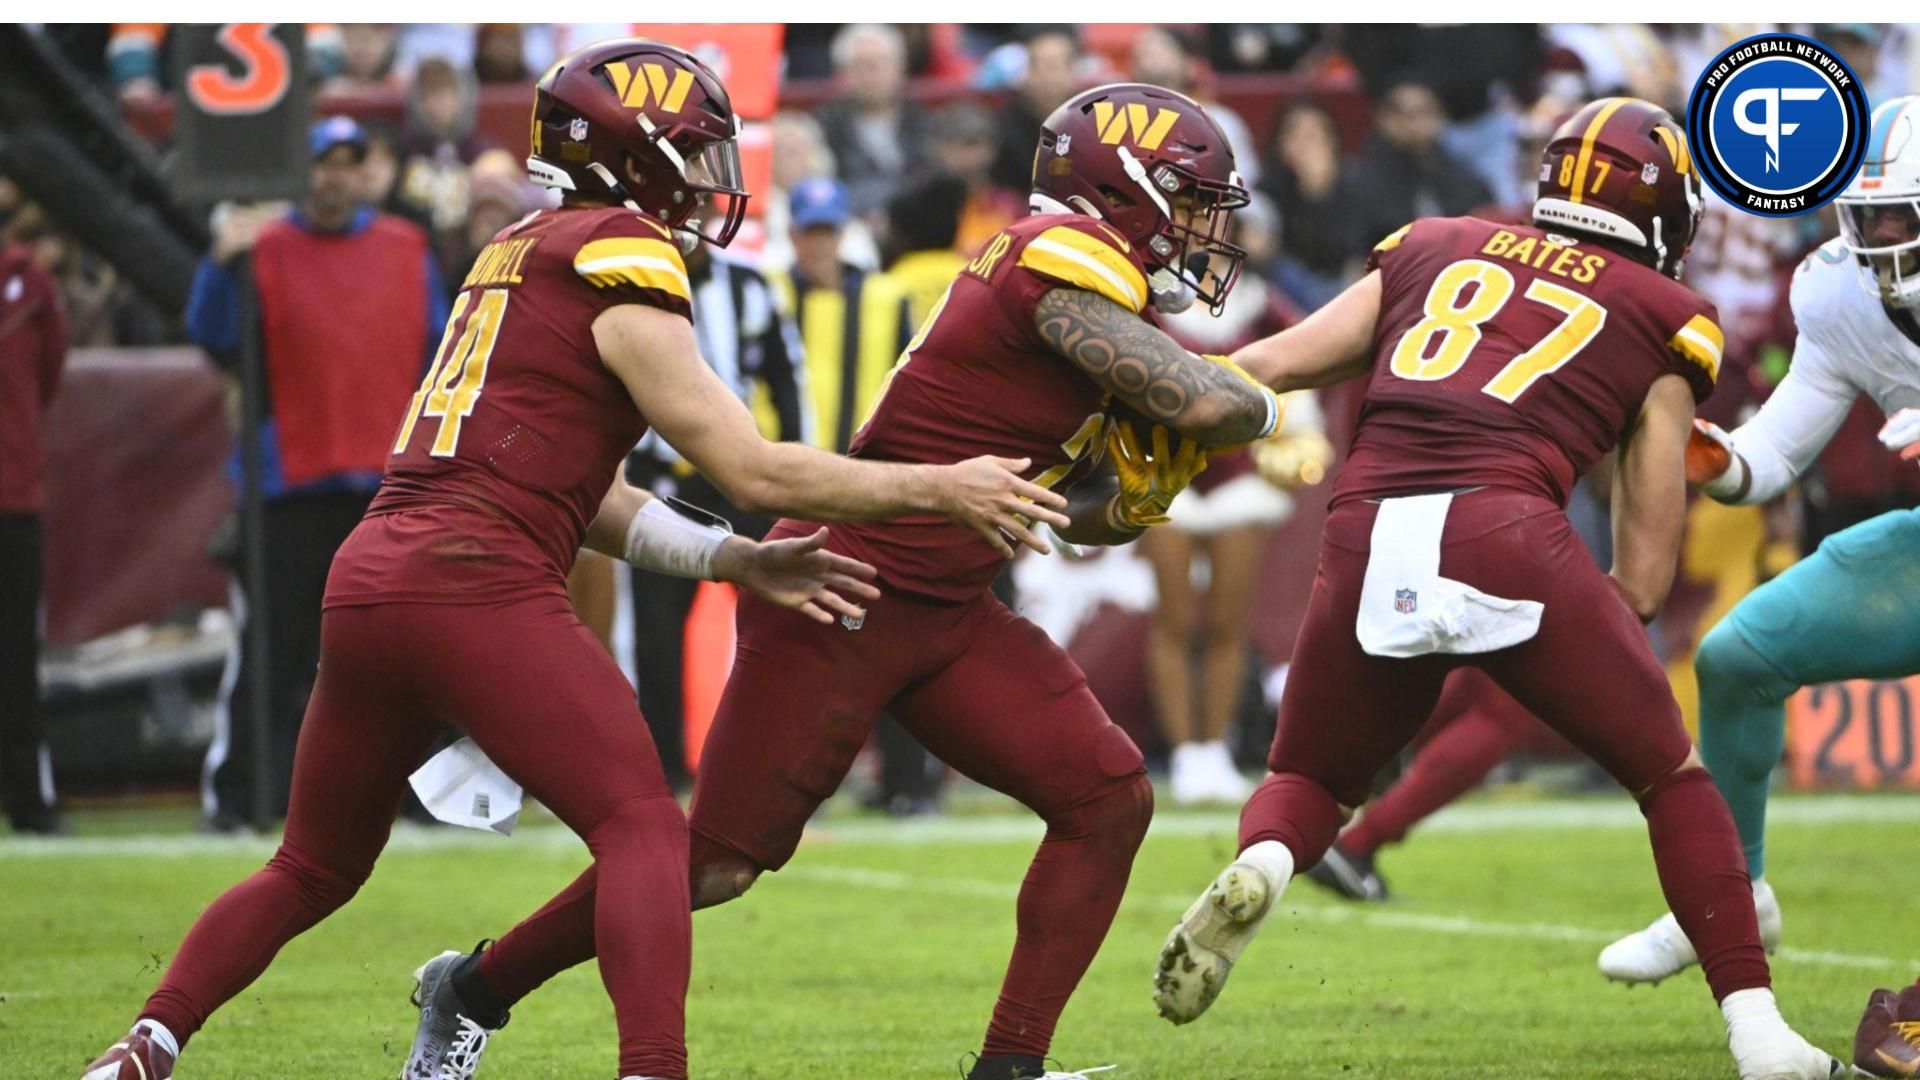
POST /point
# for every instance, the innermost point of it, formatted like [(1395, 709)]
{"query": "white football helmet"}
[(1880, 210)]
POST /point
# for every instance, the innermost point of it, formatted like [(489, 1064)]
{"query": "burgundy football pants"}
[(540, 695), (983, 689), (1589, 674)]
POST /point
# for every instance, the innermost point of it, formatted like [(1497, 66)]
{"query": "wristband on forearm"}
[(1732, 486), (666, 542)]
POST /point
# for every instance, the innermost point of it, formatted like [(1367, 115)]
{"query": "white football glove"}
[(1901, 433)]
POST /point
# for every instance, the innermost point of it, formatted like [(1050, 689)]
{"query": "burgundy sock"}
[(1703, 872), (1452, 763), (1294, 810)]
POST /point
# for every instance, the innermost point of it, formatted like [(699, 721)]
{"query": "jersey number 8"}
[(1466, 295)]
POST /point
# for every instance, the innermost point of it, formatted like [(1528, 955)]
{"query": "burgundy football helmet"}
[(1620, 169), (1155, 166), (646, 125)]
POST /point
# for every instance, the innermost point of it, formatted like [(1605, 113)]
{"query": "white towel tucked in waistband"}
[(462, 786), (1408, 609)]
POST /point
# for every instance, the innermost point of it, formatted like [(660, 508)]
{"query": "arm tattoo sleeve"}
[(1142, 366)]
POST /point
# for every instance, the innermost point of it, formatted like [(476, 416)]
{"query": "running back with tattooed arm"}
[(1038, 342)]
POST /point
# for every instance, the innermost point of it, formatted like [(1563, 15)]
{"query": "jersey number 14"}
[(452, 386), (1467, 294)]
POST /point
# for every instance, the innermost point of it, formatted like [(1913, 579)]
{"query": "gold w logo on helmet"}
[(1676, 144), (1148, 130), (669, 90)]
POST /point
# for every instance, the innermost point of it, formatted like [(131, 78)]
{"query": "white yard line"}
[(1476, 817), (1357, 914)]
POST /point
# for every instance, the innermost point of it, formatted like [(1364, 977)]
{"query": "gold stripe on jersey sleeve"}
[(1393, 241), (1701, 342), (1086, 262), (637, 261)]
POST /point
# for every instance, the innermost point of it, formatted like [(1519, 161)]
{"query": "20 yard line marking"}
[(1398, 920)]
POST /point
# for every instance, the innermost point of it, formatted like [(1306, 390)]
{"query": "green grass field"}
[(879, 951)]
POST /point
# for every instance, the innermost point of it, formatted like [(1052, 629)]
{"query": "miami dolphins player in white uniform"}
[(1848, 611)]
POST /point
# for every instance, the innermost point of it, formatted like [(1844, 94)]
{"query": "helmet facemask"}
[(705, 196), (1190, 254), (1884, 236)]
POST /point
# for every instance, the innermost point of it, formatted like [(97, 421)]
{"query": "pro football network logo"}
[(1778, 124)]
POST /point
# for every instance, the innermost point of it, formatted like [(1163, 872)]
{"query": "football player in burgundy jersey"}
[(1028, 353), (1501, 362), (448, 605)]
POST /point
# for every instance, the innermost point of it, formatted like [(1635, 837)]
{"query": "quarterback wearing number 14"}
[(1501, 363), (448, 604)]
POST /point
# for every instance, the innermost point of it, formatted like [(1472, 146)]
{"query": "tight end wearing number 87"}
[(1778, 123)]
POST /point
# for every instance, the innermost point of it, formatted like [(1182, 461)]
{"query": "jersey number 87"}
[(1467, 294)]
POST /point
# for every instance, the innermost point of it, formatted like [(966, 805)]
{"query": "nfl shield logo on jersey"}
[(577, 130), (1406, 601), (853, 622)]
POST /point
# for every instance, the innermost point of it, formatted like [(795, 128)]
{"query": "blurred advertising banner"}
[(242, 111), (137, 447), (1857, 734)]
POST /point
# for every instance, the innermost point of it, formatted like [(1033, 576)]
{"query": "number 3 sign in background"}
[(242, 119), (1856, 734)]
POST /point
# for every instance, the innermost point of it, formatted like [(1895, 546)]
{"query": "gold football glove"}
[(1149, 481)]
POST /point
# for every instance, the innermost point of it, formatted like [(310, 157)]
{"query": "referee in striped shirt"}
[(751, 345)]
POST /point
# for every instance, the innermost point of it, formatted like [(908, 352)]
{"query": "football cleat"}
[(1888, 1041), (1201, 773), (448, 1043), (139, 1056), (1765, 1048), (1662, 949), (1201, 951), (1000, 1067), (1349, 874)]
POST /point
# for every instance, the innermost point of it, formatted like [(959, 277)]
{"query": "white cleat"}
[(1200, 953), (1765, 1048), (1204, 774), (1662, 949)]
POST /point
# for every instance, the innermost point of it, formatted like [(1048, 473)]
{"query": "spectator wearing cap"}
[(960, 140), (350, 306), (33, 349), (853, 323), (876, 138)]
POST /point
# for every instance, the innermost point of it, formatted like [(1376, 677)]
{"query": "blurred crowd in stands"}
[(902, 147)]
